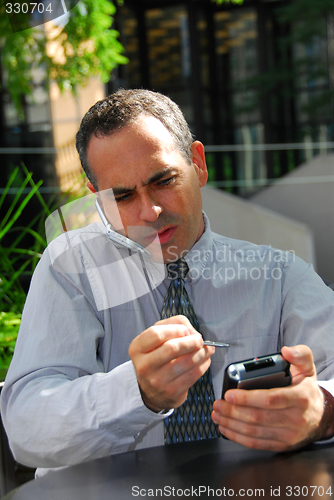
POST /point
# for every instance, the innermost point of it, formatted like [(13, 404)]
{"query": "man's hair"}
[(123, 107)]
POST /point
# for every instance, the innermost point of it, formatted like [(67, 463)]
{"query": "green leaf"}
[(90, 48), (237, 2), (20, 208)]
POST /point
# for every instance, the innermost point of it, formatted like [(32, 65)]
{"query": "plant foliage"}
[(84, 46), (17, 261), (9, 326), (220, 2)]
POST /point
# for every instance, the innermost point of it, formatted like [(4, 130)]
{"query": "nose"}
[(150, 209)]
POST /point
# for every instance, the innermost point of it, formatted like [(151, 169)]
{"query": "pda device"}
[(265, 372)]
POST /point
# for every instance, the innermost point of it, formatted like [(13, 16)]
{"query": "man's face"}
[(155, 188)]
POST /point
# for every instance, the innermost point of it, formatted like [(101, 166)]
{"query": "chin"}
[(174, 252)]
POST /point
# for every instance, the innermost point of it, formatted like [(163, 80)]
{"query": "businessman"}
[(87, 381)]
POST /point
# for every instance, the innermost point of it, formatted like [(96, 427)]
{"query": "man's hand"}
[(168, 358), (279, 419)]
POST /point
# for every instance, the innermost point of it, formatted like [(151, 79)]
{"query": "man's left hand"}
[(279, 419)]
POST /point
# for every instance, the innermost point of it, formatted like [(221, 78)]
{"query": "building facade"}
[(239, 78), (247, 91)]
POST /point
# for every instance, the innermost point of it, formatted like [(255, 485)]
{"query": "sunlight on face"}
[(154, 188)]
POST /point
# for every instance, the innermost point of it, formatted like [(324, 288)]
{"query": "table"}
[(213, 468)]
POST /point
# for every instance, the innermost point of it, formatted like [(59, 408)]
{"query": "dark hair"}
[(117, 110)]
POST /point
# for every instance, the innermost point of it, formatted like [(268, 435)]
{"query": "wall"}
[(307, 195), (238, 218), (67, 112)]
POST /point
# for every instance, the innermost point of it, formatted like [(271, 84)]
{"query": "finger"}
[(176, 348), (181, 380), (252, 415), (179, 319), (302, 363), (156, 335), (171, 392), (183, 364), (277, 398), (253, 430), (253, 442)]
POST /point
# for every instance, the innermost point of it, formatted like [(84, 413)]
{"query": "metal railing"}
[(67, 155)]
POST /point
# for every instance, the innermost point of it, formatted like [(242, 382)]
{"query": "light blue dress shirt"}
[(71, 393)]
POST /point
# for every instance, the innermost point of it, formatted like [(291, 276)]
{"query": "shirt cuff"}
[(120, 405), (329, 386)]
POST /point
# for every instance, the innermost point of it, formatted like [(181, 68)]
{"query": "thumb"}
[(301, 360)]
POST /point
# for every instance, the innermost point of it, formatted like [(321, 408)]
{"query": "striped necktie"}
[(192, 420)]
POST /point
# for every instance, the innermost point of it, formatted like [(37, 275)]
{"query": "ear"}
[(91, 187), (198, 159)]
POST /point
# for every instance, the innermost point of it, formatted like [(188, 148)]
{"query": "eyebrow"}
[(154, 178)]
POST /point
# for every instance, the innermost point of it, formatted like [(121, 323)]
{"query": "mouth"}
[(162, 236), (165, 234)]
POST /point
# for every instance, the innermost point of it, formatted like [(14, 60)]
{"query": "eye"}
[(166, 182), (124, 197)]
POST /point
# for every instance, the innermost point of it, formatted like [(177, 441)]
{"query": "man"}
[(87, 381)]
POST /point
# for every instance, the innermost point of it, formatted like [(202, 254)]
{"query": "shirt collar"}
[(198, 256)]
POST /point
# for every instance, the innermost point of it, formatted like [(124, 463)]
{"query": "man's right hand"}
[(169, 357)]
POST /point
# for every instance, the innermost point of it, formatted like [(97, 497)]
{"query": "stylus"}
[(215, 344)]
